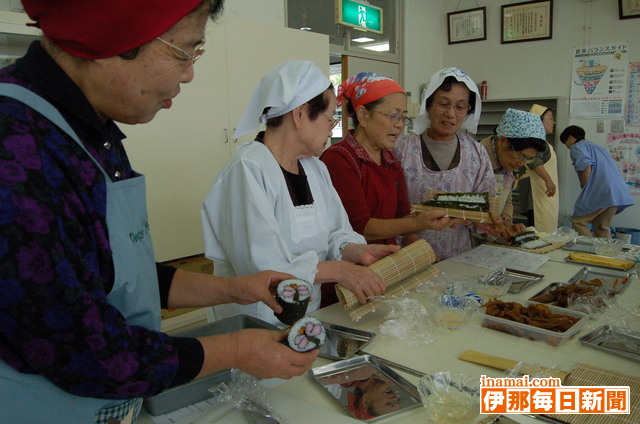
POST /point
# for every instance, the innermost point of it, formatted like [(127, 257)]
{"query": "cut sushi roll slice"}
[(465, 201), (306, 334), (293, 296)]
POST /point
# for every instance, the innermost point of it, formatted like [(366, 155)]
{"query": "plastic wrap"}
[(450, 397), (561, 235), (407, 321), (245, 394)]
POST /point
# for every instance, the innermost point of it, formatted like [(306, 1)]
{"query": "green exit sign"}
[(359, 15)]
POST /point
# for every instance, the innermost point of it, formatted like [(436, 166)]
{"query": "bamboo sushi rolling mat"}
[(476, 216), (401, 271), (589, 375)]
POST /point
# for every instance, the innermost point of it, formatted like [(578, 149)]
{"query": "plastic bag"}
[(244, 393), (407, 321)]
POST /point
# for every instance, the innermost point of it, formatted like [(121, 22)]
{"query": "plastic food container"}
[(534, 333), (198, 390), (453, 312), (492, 285), (607, 246)]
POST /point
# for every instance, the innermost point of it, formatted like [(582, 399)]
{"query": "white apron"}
[(34, 399)]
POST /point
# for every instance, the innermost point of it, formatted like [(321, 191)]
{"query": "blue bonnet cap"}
[(520, 124)]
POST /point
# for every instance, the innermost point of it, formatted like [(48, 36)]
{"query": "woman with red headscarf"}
[(80, 292), (365, 172)]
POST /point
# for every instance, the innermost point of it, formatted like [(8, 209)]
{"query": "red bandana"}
[(99, 29)]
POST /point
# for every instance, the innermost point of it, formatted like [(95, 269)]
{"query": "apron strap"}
[(47, 110)]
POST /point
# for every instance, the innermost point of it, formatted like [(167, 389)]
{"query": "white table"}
[(441, 355)]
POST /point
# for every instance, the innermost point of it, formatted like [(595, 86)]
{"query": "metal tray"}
[(572, 246), (343, 342), (614, 340), (567, 259), (348, 380), (521, 280), (610, 279), (198, 390)]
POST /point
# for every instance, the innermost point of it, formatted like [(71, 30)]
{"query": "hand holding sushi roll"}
[(261, 353), (200, 290)]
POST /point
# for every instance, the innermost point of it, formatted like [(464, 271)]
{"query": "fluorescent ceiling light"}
[(362, 40), (378, 47)]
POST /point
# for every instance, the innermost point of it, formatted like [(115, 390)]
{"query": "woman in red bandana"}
[(365, 172)]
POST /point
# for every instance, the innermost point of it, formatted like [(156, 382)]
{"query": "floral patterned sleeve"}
[(55, 263)]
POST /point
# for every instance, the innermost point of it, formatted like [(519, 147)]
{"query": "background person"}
[(273, 206), (538, 186), (79, 298), (604, 192), (363, 169), (519, 137), (436, 157)]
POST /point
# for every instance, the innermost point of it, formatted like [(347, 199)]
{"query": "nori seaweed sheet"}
[(292, 312), (479, 207)]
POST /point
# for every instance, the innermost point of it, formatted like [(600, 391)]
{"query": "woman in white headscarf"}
[(273, 206), (436, 157)]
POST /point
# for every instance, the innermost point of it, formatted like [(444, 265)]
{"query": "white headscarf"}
[(470, 123), (284, 88)]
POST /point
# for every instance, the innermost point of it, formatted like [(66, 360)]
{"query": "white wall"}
[(519, 70), (265, 11)]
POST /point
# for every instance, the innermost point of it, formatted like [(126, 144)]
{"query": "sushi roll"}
[(306, 334), (293, 296)]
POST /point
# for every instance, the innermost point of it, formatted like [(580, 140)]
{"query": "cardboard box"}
[(197, 263)]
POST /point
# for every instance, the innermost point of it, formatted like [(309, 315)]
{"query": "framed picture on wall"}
[(527, 21), (629, 9), (467, 25)]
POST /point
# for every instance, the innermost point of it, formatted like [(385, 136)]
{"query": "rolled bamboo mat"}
[(589, 375), (476, 216), (401, 271)]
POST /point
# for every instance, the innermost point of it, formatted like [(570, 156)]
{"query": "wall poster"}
[(632, 117), (625, 150), (599, 81)]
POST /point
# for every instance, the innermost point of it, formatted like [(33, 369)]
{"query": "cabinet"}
[(182, 150), (492, 111)]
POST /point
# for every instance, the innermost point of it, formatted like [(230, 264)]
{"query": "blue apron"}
[(33, 398)]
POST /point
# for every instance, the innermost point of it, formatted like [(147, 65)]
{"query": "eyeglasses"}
[(520, 158), (332, 121), (197, 53), (459, 109), (394, 118)]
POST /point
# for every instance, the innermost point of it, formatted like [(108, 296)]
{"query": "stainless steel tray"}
[(567, 259), (611, 280), (614, 340), (521, 280), (352, 380), (198, 390), (343, 342), (572, 246)]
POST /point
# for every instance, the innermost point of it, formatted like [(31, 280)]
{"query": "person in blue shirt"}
[(604, 192)]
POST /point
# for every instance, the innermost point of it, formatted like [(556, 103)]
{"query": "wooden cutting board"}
[(507, 364)]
